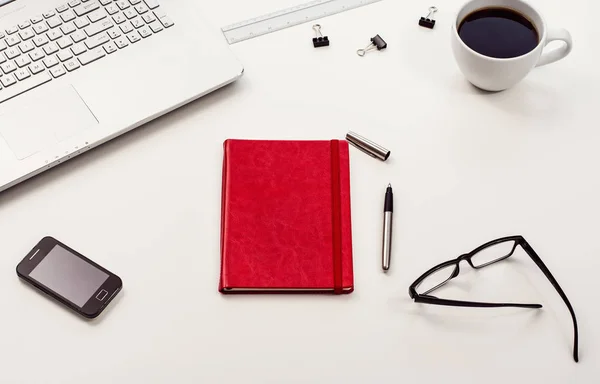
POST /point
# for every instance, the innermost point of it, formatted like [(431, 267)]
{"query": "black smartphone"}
[(69, 277)]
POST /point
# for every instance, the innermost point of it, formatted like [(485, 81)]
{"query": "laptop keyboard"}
[(72, 36)]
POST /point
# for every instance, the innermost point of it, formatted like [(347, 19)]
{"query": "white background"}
[(466, 167)]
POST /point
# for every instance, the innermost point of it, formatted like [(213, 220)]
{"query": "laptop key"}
[(149, 17), (123, 4), (112, 9), (119, 18), (36, 19), (2, 60), (126, 28), (145, 31), (36, 68), (8, 67), (121, 42), (151, 3), (78, 49), (26, 34), (25, 24), (13, 52), (82, 22), (2, 45), (137, 22), (91, 56), (50, 62), (26, 47), (22, 74), (95, 29), (130, 13), (64, 42), (72, 65), (50, 48), (166, 21), (54, 34), (114, 33), (97, 15), (134, 37), (64, 55), (93, 42), (62, 8), (23, 61), (58, 71), (12, 30), (110, 47), (49, 14), (67, 16), (78, 36), (68, 28), (40, 28), (156, 26), (13, 40), (36, 55), (54, 22), (7, 81), (141, 9)]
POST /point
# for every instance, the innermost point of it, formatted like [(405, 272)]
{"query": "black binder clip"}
[(320, 40), (428, 21), (376, 43)]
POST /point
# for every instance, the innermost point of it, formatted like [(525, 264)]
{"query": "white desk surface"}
[(466, 167)]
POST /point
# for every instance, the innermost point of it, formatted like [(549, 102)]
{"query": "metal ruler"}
[(289, 17)]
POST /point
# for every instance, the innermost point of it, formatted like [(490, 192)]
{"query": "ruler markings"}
[(288, 17)]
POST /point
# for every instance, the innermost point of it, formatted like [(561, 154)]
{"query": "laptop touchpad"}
[(32, 128)]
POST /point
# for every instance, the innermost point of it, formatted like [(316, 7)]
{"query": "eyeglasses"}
[(487, 254)]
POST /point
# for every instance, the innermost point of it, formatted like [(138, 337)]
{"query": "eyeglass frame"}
[(519, 240)]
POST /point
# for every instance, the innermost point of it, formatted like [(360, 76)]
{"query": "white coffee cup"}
[(494, 74)]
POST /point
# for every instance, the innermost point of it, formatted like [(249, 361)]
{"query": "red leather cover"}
[(278, 216)]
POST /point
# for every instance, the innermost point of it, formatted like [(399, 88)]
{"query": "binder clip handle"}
[(376, 43), (428, 21), (319, 40)]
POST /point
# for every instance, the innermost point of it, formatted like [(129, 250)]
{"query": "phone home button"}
[(101, 295)]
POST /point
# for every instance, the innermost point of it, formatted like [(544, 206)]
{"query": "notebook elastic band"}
[(336, 218)]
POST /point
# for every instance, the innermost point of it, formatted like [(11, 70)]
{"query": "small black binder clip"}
[(319, 40), (428, 21), (376, 43)]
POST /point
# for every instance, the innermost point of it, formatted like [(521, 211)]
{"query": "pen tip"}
[(390, 185)]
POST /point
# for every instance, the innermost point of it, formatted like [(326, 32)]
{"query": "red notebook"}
[(285, 219)]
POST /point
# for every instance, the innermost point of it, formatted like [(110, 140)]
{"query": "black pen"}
[(388, 210)]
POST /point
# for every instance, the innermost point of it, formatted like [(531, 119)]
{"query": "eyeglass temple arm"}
[(536, 259), (473, 304)]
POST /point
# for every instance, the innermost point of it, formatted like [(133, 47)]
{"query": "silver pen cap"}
[(367, 146)]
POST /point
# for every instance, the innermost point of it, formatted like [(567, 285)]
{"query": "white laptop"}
[(75, 75)]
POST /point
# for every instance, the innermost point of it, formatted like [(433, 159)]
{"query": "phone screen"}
[(68, 275)]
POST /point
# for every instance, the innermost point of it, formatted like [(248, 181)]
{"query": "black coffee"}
[(498, 32)]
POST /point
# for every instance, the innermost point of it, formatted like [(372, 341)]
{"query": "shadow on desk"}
[(531, 98), (61, 307)]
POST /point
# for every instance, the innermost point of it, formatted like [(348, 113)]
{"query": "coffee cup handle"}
[(559, 52)]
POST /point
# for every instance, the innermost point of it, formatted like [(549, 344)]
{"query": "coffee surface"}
[(498, 32)]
